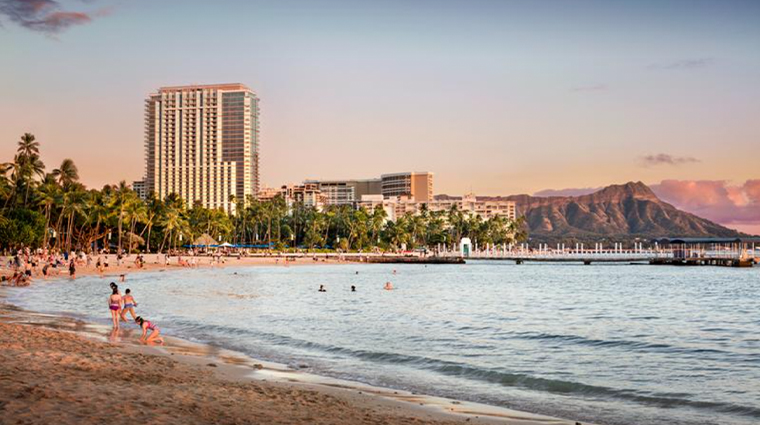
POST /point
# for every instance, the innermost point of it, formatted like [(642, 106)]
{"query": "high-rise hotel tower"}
[(202, 143)]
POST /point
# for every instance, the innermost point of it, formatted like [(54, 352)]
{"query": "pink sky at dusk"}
[(493, 97)]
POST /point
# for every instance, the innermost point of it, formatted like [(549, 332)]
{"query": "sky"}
[(495, 97)]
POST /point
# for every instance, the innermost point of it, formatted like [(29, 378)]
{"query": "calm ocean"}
[(612, 344)]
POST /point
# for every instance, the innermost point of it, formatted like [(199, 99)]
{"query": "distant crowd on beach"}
[(21, 267)]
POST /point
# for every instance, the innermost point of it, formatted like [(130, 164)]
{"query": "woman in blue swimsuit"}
[(129, 306)]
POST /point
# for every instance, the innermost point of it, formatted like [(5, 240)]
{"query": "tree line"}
[(55, 210)]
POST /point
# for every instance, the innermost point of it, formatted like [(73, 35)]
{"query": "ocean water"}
[(609, 344)]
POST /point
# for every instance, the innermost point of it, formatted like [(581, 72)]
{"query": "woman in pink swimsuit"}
[(114, 304), (155, 332)]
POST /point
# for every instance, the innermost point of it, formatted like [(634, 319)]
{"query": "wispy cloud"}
[(43, 16), (592, 88), (683, 64), (666, 159)]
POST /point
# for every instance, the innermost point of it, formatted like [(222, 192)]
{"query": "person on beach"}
[(388, 286), (114, 304), (146, 325), (129, 306)]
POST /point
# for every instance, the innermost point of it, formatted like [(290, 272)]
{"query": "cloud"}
[(666, 159), (42, 16), (567, 192), (731, 205), (683, 64), (592, 88)]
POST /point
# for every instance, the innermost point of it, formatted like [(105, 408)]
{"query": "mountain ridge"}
[(618, 212)]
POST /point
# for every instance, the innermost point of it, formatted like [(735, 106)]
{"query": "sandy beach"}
[(64, 371), (57, 377), (157, 262)]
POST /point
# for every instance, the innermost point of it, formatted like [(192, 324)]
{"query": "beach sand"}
[(156, 262), (56, 370), (52, 377)]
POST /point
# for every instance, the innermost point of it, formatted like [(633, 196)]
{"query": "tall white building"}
[(202, 143)]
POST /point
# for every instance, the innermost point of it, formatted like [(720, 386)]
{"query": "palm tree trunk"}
[(132, 232), (47, 224), (150, 227), (163, 241), (121, 219), (69, 230)]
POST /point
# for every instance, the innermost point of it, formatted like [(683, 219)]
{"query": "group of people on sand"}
[(45, 263), (120, 305)]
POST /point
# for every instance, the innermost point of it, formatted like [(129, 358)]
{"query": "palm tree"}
[(134, 212), (28, 146), (23, 168), (73, 203), (377, 220), (123, 196), (173, 223), (154, 208), (49, 196), (67, 173)]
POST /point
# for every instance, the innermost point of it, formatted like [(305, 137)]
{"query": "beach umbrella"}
[(204, 240), (226, 245)]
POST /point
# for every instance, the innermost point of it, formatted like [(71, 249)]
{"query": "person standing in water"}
[(146, 325), (114, 304), (388, 286), (72, 269), (129, 306)]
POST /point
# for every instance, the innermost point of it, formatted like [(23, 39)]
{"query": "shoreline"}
[(375, 404), (154, 262)]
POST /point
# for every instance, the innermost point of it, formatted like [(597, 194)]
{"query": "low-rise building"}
[(418, 186), (483, 206), (307, 194), (346, 192), (469, 204)]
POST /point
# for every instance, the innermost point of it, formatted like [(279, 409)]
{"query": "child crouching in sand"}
[(146, 325)]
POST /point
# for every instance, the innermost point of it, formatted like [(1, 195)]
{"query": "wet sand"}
[(64, 371)]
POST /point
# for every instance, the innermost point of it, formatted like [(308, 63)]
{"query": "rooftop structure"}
[(736, 251)]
